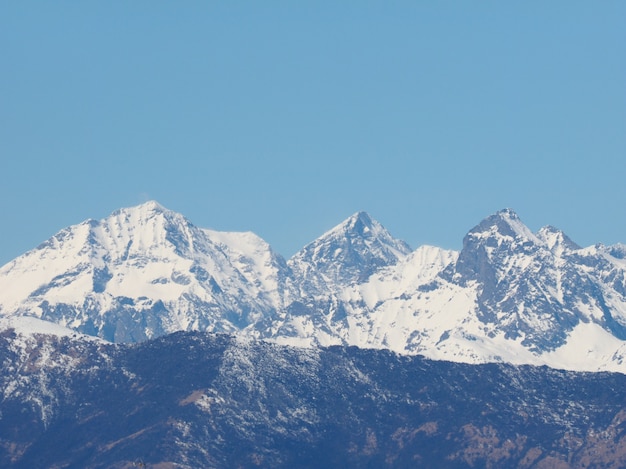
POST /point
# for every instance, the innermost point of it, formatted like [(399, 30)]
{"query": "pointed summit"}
[(151, 205), (348, 253), (360, 223), (502, 223), (498, 236), (556, 240), (142, 272), (143, 211), (147, 229)]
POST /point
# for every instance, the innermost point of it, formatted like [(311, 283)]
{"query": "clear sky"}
[(285, 117)]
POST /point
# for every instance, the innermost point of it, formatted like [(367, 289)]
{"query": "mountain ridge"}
[(192, 399), (508, 295)]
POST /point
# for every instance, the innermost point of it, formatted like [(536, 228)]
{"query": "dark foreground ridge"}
[(192, 400)]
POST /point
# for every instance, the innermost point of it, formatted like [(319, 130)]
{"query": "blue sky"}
[(284, 118)]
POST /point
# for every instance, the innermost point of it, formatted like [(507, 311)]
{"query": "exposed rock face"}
[(348, 254), (510, 295)]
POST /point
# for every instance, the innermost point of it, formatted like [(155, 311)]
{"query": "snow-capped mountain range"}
[(510, 295)]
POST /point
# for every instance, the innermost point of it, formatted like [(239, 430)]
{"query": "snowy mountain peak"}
[(504, 223), (556, 240), (361, 230), (509, 295), (142, 272), (360, 223), (153, 205), (149, 206), (144, 211), (495, 238), (348, 253), (148, 230)]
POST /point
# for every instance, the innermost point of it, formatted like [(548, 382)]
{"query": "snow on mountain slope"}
[(418, 268), (140, 273), (529, 288), (341, 258), (347, 254), (354, 315), (28, 325), (32, 349), (257, 262), (509, 295)]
